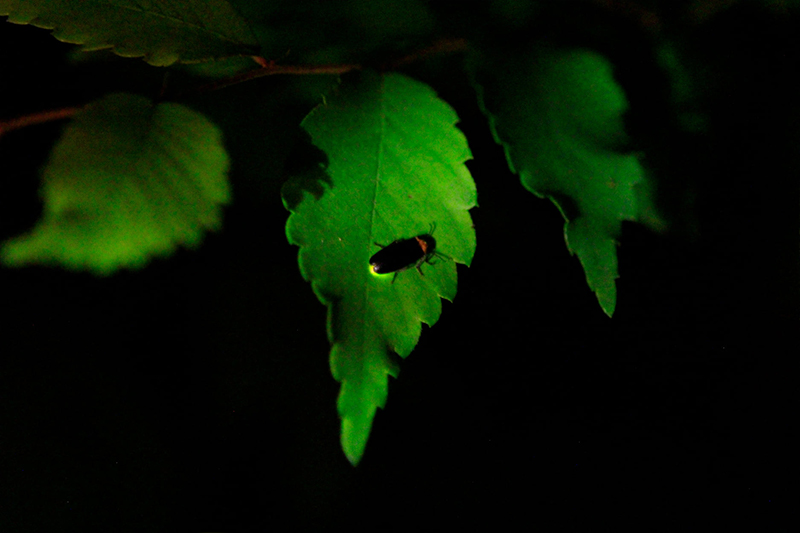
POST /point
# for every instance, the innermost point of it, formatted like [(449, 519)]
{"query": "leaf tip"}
[(354, 438), (608, 301)]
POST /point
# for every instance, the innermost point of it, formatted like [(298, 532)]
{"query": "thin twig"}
[(440, 47), (36, 118), (270, 69)]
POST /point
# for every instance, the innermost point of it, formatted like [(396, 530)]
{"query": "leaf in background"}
[(396, 166), (163, 31), (317, 32), (128, 180), (558, 114)]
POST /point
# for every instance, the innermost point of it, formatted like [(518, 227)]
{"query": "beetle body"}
[(403, 254)]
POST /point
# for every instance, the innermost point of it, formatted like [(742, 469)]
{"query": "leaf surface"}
[(127, 180), (163, 31), (395, 167), (558, 114)]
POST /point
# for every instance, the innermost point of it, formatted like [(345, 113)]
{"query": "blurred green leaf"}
[(347, 31), (396, 166), (558, 114), (128, 180), (163, 31)]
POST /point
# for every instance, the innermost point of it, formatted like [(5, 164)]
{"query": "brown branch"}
[(269, 68), (36, 118), (440, 47)]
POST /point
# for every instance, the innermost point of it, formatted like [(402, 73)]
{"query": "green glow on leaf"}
[(163, 31), (128, 180), (396, 165)]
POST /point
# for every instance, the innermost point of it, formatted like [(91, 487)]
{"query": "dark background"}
[(195, 395)]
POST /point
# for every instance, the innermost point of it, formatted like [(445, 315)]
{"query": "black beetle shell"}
[(403, 254)]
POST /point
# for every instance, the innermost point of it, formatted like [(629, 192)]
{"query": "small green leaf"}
[(558, 114), (128, 180), (163, 31), (396, 166)]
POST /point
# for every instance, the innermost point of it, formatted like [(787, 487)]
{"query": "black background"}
[(195, 395)]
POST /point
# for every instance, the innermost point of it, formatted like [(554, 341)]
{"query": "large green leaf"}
[(163, 31), (396, 166), (558, 113), (128, 180)]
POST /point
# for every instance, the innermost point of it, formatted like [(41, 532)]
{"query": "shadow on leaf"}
[(306, 171)]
